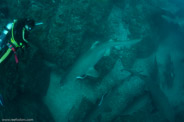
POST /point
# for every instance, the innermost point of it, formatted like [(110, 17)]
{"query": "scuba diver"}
[(14, 37)]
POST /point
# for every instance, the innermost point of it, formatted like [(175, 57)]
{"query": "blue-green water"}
[(94, 61)]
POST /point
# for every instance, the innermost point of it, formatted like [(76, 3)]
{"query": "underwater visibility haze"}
[(92, 60)]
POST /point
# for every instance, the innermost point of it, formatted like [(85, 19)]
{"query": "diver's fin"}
[(1, 100), (92, 72)]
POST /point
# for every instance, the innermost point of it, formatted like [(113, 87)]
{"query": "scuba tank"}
[(4, 34)]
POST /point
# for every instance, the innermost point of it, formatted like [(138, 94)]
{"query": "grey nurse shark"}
[(84, 66), (60, 100)]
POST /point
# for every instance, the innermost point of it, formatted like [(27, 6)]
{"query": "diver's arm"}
[(24, 35), (6, 54)]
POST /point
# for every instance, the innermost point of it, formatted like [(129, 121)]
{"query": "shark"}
[(61, 99), (84, 66)]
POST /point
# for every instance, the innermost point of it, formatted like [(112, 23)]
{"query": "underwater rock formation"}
[(126, 86)]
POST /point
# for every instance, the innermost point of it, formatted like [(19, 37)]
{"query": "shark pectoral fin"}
[(107, 52), (81, 77), (92, 72)]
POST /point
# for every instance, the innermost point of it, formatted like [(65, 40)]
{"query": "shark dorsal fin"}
[(94, 44)]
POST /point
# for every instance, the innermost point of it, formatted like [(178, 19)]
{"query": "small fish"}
[(39, 23), (102, 98), (100, 103)]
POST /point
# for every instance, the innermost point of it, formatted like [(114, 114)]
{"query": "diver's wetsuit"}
[(18, 28), (15, 38)]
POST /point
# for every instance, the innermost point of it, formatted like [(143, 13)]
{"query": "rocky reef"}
[(121, 92)]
